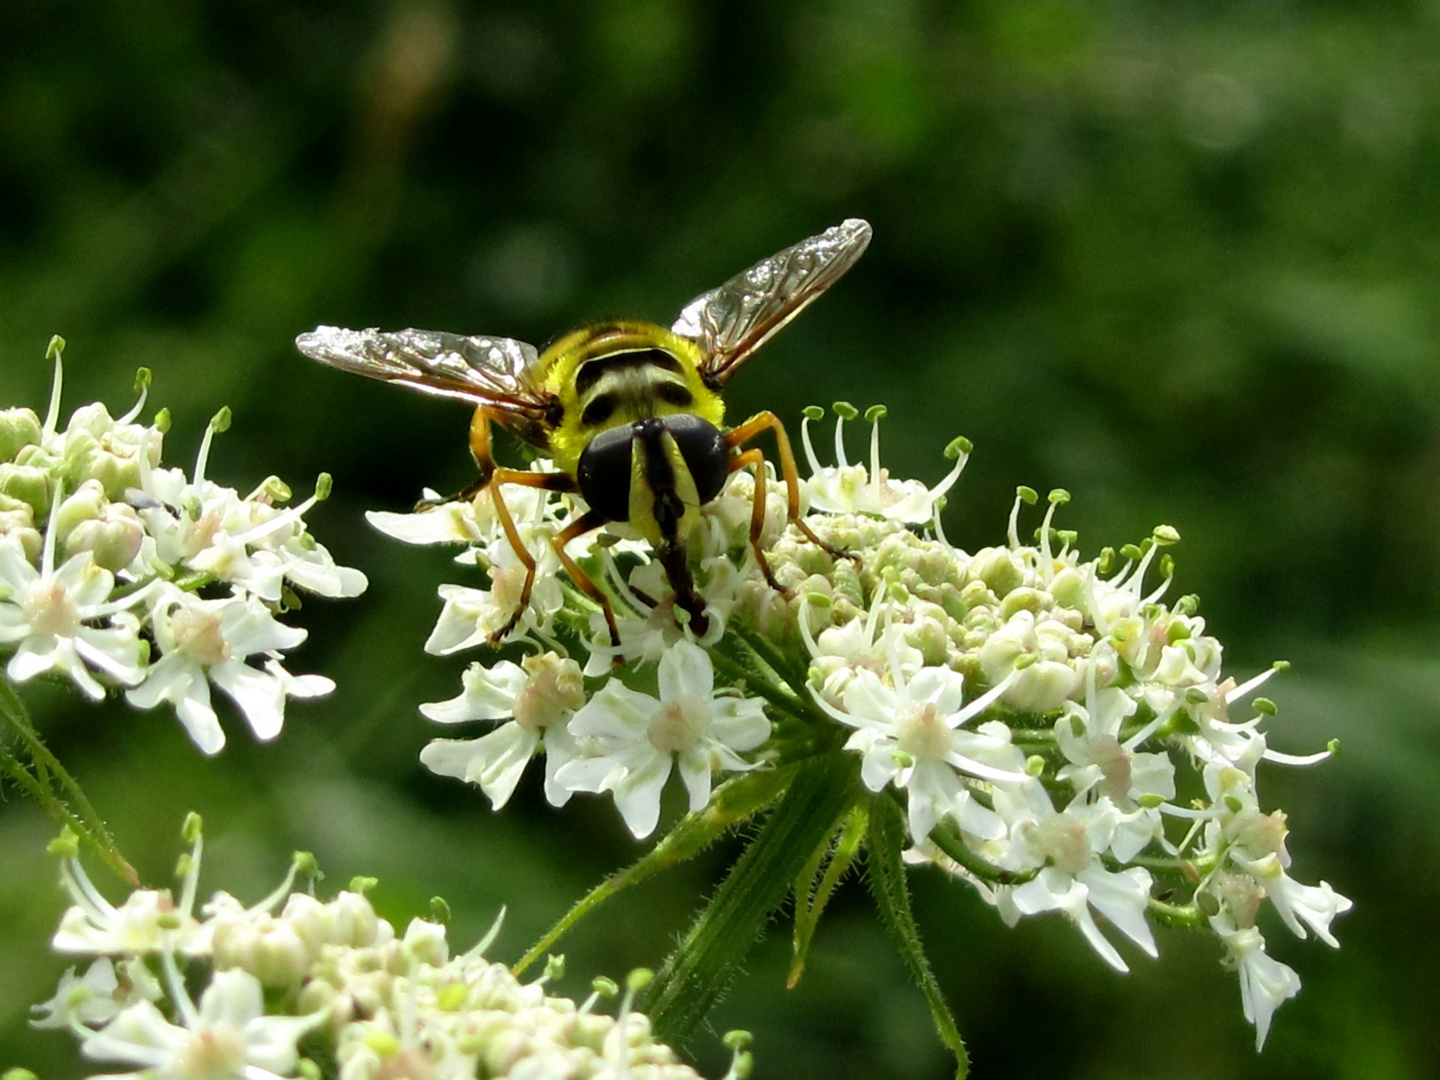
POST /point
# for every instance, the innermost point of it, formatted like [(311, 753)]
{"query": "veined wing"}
[(731, 322), (480, 370)]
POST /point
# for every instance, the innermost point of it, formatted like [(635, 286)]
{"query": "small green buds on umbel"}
[(27, 484), (19, 428)]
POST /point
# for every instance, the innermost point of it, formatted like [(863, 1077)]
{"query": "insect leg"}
[(548, 481), (743, 434), (757, 512), (587, 522), (480, 450)]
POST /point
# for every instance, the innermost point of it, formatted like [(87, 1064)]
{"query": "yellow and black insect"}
[(629, 411)]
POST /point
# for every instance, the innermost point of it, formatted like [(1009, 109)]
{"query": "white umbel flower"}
[(538, 698), (205, 641), (46, 613), (228, 1035), (640, 739)]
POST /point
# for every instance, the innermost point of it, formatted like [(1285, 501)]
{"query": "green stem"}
[(886, 846), (953, 848), (1177, 914), (757, 684), (50, 783), (707, 959), (732, 802), (773, 659)]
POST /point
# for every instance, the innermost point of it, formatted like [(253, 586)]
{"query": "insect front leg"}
[(791, 474), (587, 522)]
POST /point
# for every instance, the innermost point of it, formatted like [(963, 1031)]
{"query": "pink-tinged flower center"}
[(217, 1051), (49, 609), (549, 696), (679, 724), (1061, 839), (198, 535), (198, 635), (921, 731), (1262, 834), (1114, 762)]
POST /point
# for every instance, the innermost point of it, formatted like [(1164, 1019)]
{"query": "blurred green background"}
[(1180, 259)]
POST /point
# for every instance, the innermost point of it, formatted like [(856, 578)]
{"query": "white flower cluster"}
[(332, 981), (1029, 708), (121, 574)]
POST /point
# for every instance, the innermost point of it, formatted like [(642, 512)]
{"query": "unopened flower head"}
[(233, 991)]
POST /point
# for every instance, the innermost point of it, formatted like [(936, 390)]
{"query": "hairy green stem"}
[(702, 966), (50, 784), (732, 803)]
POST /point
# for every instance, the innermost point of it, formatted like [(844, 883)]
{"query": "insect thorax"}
[(618, 373)]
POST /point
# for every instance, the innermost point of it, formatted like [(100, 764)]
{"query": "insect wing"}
[(480, 370), (731, 322)]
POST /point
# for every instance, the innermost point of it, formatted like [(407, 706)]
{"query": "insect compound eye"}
[(604, 473), (705, 452)]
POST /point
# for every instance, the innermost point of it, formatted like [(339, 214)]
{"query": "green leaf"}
[(705, 962), (810, 898), (886, 843)]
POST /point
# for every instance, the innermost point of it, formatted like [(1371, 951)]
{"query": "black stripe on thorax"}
[(590, 371)]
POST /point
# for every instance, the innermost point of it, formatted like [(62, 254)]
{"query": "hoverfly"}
[(629, 411)]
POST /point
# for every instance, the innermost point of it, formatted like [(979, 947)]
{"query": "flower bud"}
[(18, 428), (353, 921), (998, 569), (97, 448), (17, 520), (87, 521), (270, 949), (425, 941), (27, 484), (84, 503)]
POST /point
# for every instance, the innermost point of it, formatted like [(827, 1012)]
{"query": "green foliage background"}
[(1180, 259)]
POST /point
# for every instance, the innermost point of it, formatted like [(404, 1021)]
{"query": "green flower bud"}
[(18, 520), (998, 569), (98, 448), (1023, 598), (27, 484), (114, 538), (18, 428), (85, 503), (1068, 589)]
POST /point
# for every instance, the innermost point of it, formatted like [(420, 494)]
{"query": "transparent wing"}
[(731, 322), (480, 370)]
